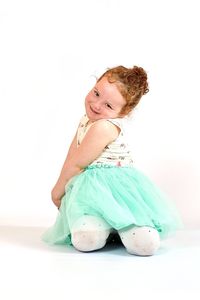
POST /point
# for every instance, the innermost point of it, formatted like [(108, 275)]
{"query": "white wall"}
[(49, 52)]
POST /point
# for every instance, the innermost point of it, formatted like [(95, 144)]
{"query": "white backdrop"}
[(49, 54)]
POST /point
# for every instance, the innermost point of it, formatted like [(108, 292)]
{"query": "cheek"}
[(88, 98)]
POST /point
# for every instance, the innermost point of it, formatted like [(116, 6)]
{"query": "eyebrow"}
[(96, 89)]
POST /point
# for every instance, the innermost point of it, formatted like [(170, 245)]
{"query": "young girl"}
[(99, 191)]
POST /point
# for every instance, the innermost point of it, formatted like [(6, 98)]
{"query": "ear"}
[(124, 113)]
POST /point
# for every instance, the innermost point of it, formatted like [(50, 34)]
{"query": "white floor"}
[(30, 269)]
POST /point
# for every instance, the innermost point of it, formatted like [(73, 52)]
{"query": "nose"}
[(97, 107)]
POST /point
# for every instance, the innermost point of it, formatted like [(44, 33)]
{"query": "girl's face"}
[(104, 101)]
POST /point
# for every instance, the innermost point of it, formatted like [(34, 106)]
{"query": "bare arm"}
[(100, 134), (72, 148), (59, 189)]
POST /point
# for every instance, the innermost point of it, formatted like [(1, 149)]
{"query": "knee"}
[(89, 240), (143, 241)]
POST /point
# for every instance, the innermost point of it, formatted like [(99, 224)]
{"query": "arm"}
[(100, 134), (59, 189)]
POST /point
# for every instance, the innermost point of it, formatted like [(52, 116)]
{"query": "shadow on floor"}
[(31, 237)]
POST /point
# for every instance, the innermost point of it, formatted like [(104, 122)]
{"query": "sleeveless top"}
[(117, 153)]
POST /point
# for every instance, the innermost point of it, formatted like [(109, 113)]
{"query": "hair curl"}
[(132, 84)]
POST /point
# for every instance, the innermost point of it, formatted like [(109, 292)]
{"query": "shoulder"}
[(105, 128)]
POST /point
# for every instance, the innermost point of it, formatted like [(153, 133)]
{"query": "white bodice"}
[(116, 153)]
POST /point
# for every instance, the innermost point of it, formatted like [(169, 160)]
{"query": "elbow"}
[(75, 166)]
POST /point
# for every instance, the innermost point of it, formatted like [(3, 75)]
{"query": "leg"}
[(89, 233), (142, 241)]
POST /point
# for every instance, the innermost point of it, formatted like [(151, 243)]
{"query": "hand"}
[(57, 202), (56, 195)]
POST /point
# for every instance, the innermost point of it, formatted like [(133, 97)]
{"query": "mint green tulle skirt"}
[(122, 196)]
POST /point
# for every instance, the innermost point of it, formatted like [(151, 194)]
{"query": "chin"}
[(92, 118)]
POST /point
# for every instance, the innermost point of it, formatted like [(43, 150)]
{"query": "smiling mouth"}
[(95, 112)]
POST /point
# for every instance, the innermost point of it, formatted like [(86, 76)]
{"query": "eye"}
[(109, 106), (96, 93)]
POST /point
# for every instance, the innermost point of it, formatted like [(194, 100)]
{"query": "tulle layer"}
[(122, 196)]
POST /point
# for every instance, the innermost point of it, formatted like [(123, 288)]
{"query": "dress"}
[(113, 189)]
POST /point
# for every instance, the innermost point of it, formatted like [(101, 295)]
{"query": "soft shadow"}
[(29, 237)]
